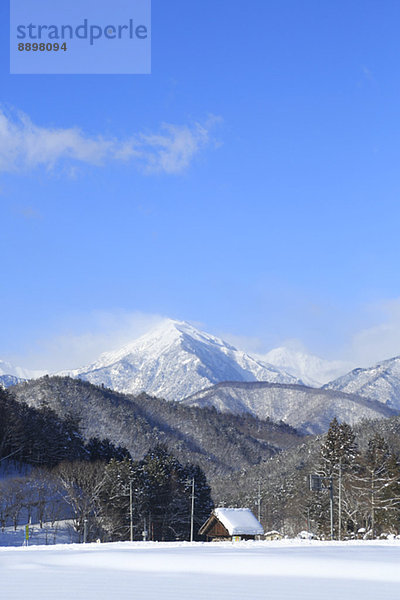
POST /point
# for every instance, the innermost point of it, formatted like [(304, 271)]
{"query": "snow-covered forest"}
[(54, 467)]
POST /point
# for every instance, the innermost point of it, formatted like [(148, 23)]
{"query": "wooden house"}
[(231, 524)]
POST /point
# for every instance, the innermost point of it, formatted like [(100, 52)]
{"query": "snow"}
[(239, 521), (61, 532), (284, 570), (380, 382), (175, 360), (306, 409), (9, 380), (11, 375), (7, 368), (312, 370)]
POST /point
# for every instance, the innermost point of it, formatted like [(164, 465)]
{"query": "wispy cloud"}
[(368, 74), (83, 338), (380, 340), (29, 213), (25, 146)]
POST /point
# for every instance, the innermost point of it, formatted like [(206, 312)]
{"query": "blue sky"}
[(250, 184)]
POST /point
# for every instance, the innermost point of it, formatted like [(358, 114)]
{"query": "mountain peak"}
[(170, 330), (311, 369), (7, 369), (174, 360), (380, 382), (158, 340)]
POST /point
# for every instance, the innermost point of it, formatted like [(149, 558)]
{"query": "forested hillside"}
[(370, 458), (219, 443), (247, 461), (309, 410), (40, 437), (49, 472), (381, 382)]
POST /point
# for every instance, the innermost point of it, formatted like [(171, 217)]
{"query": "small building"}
[(231, 524)]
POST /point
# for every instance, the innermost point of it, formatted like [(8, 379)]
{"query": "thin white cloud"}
[(377, 341), (250, 344), (83, 338), (382, 339), (171, 151), (25, 146)]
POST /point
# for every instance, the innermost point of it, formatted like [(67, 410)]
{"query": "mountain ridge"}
[(310, 369), (381, 382), (309, 410), (175, 360), (216, 442)]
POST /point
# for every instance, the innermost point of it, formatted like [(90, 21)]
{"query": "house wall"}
[(217, 530)]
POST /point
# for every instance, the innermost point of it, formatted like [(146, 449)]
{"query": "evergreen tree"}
[(339, 449), (161, 495), (378, 484), (338, 461), (203, 504), (163, 476), (115, 498), (105, 450)]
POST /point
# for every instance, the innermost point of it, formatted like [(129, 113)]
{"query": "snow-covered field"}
[(61, 532), (270, 570)]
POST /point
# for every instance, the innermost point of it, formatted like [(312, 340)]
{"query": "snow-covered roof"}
[(239, 521)]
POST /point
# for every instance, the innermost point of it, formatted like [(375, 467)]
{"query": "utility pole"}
[(373, 504), (85, 521), (340, 500), (259, 502), (131, 510), (192, 512), (144, 533), (331, 504)]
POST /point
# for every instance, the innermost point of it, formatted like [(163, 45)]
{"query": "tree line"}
[(366, 485), (363, 464), (50, 473), (91, 480), (220, 443), (39, 437), (148, 499)]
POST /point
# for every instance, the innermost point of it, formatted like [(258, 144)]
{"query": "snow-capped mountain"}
[(175, 360), (9, 380), (10, 375), (7, 368), (311, 369), (381, 382), (308, 410)]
